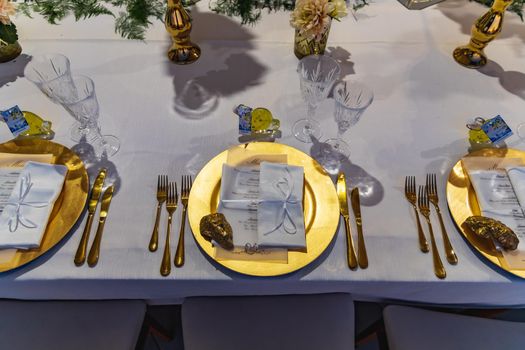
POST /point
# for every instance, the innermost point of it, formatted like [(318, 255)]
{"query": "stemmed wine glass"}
[(84, 108), (51, 73), (351, 100), (317, 74)]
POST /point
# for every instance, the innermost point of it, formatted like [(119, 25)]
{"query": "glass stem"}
[(311, 111)]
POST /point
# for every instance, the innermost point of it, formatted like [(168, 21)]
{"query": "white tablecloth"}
[(415, 125)]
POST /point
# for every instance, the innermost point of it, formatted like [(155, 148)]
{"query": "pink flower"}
[(6, 9)]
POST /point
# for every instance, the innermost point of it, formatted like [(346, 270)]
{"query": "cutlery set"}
[(421, 199), (362, 258), (167, 192), (94, 252)]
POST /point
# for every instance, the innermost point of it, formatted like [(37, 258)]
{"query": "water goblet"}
[(51, 73), (351, 100), (85, 109), (317, 74)]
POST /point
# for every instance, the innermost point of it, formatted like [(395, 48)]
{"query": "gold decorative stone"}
[(215, 227), (490, 228)]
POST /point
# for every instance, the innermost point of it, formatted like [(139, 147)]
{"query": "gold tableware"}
[(411, 196), (424, 208), (483, 31), (343, 208), (94, 252), (68, 206), (178, 24), (462, 202), (184, 195), (171, 206), (80, 255), (321, 209), (362, 257), (162, 189), (431, 186)]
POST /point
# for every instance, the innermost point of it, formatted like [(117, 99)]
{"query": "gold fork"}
[(410, 194), (162, 188), (424, 208), (184, 195), (171, 206), (433, 196)]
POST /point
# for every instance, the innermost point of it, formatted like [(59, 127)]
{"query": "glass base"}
[(305, 129), (107, 146), (520, 130), (339, 146)]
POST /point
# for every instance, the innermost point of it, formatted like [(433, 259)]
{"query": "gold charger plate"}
[(321, 209), (69, 204), (463, 203)]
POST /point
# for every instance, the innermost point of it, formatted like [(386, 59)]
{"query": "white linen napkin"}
[(517, 178), (498, 200), (24, 219), (280, 218)]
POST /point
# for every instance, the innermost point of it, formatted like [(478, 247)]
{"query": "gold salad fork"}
[(410, 194), (433, 196), (171, 206), (162, 193), (424, 208), (185, 195)]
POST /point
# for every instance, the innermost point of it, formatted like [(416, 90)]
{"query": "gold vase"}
[(484, 30), (304, 46), (10, 52), (178, 25)]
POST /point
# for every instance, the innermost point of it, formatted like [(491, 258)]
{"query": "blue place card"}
[(496, 129), (15, 120)]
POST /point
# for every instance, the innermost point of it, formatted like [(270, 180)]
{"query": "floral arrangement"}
[(8, 33), (313, 17)]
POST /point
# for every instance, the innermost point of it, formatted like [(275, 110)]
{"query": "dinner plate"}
[(321, 209), (69, 204), (463, 203)]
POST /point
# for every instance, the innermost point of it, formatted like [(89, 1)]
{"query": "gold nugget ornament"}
[(490, 228), (215, 227)]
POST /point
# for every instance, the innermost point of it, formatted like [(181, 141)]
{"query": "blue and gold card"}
[(15, 120)]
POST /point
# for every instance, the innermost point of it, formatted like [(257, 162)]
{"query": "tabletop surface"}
[(415, 125)]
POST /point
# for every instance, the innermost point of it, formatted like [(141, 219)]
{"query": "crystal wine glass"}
[(351, 100), (317, 74), (85, 108), (51, 73)]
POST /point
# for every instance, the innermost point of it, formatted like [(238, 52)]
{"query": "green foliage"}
[(8, 34), (516, 6), (133, 17)]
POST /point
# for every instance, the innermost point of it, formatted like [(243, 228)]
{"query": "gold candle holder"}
[(484, 30), (178, 25)]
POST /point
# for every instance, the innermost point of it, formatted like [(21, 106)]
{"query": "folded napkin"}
[(497, 192), (26, 213), (517, 178), (280, 219), (19, 159)]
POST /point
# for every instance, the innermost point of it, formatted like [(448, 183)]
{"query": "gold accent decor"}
[(343, 208), (463, 203), (321, 209), (10, 52), (304, 46), (178, 24), (484, 30), (69, 204)]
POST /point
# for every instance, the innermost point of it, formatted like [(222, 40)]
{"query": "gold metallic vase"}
[(484, 30), (178, 24), (305, 46), (9, 52)]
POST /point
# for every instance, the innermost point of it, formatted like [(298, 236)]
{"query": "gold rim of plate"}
[(321, 209), (463, 203), (69, 204)]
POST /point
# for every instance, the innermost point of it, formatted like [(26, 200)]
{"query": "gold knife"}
[(362, 257), (80, 256), (343, 204), (94, 252)]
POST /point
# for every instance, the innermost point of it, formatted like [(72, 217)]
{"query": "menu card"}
[(495, 192)]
